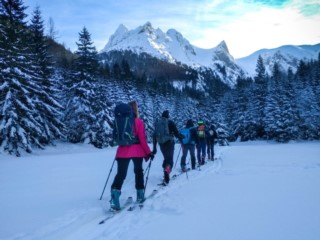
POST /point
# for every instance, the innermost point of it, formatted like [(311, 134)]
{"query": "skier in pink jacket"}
[(137, 152)]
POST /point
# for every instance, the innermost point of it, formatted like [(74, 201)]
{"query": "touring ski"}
[(111, 213), (174, 176), (180, 173), (140, 204)]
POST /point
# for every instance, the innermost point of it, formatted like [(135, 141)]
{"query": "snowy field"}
[(254, 191)]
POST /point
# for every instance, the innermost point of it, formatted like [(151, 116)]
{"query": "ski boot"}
[(115, 203), (140, 196), (167, 171), (202, 161)]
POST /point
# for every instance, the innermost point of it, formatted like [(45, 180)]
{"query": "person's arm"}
[(142, 136), (173, 129), (194, 133), (154, 140)]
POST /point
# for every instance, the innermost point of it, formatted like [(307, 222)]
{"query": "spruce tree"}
[(47, 106), (259, 97), (86, 108), (241, 116), (19, 123), (274, 122)]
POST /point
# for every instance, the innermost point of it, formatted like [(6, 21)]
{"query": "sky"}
[(245, 25)]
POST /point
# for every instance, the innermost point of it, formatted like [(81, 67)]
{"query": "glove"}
[(154, 151), (111, 143), (149, 156)]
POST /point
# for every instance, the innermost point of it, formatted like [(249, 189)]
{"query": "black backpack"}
[(162, 130), (124, 126)]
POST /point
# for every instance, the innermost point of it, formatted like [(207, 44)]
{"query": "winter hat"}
[(189, 123), (165, 114), (200, 122)]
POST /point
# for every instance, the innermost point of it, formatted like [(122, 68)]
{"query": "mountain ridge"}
[(173, 48), (286, 55)]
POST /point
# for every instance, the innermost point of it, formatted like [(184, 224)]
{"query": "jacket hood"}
[(189, 123), (165, 114)]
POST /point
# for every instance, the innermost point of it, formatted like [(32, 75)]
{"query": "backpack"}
[(124, 126), (187, 136), (201, 131), (212, 133), (161, 130)]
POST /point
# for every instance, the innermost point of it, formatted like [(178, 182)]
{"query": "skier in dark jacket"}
[(167, 148), (211, 137), (201, 146), (189, 144)]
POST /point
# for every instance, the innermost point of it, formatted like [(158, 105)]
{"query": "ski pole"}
[(198, 157), (189, 168), (147, 177), (107, 179), (187, 175), (188, 161), (177, 157), (146, 169)]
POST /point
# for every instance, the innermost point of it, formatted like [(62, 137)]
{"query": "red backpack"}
[(201, 131)]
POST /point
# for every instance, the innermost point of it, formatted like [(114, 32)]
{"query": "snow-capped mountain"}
[(172, 48), (175, 49), (286, 56)]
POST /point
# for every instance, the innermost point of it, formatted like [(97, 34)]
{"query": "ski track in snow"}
[(169, 204), (84, 223), (172, 202)]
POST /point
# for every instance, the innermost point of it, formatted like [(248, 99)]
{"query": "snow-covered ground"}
[(254, 191)]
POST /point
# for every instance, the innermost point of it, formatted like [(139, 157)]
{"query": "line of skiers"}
[(130, 136)]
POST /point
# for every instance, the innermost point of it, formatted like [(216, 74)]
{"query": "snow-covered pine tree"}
[(290, 111), (259, 97), (21, 125), (240, 119), (252, 124), (274, 112), (84, 106), (47, 106), (308, 106), (316, 84), (103, 110)]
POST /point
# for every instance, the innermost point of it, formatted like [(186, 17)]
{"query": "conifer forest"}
[(49, 94)]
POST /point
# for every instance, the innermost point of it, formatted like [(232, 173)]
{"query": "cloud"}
[(269, 28), (245, 25), (310, 9), (269, 3)]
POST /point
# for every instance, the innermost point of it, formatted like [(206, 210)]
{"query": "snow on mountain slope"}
[(170, 46), (286, 56), (174, 48)]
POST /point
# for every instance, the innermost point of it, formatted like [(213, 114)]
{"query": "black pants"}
[(167, 150), (201, 152), (210, 150), (123, 164), (191, 148)]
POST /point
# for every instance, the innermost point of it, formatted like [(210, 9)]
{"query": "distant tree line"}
[(48, 93), (281, 107)]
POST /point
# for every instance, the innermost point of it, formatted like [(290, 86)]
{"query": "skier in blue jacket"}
[(189, 144)]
